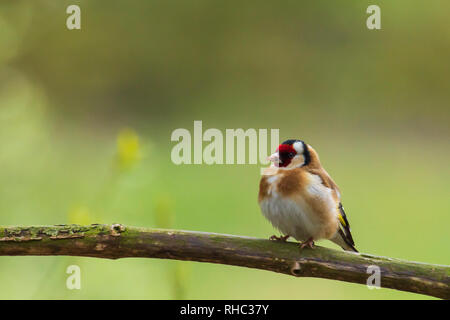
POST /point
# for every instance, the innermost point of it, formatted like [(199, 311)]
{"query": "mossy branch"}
[(117, 241)]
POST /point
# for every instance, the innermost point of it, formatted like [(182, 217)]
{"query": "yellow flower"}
[(80, 215), (128, 148)]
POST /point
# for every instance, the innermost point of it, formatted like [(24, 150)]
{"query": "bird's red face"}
[(283, 155), (286, 153), (292, 152)]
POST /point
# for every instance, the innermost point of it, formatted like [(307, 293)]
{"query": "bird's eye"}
[(291, 154)]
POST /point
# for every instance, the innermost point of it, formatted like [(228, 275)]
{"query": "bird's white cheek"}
[(298, 146)]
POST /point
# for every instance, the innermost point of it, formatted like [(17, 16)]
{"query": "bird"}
[(300, 198)]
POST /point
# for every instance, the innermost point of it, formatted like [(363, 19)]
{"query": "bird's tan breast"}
[(282, 182), (314, 199)]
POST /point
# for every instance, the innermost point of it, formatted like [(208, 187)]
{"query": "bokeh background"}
[(86, 118)]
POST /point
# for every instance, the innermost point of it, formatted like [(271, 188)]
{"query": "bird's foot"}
[(308, 243), (282, 238)]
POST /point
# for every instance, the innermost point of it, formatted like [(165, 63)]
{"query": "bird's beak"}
[(275, 158)]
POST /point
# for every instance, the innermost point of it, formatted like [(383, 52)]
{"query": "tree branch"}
[(117, 241)]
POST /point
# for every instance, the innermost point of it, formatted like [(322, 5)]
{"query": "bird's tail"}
[(341, 240), (344, 236)]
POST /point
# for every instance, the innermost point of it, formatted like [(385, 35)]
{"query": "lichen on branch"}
[(118, 241)]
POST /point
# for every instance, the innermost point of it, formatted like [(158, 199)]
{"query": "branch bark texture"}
[(117, 241)]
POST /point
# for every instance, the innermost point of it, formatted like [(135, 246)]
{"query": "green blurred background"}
[(86, 118)]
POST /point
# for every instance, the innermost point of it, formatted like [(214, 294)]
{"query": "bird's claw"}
[(308, 243), (282, 238)]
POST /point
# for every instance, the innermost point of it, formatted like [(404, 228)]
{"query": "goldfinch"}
[(301, 200)]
